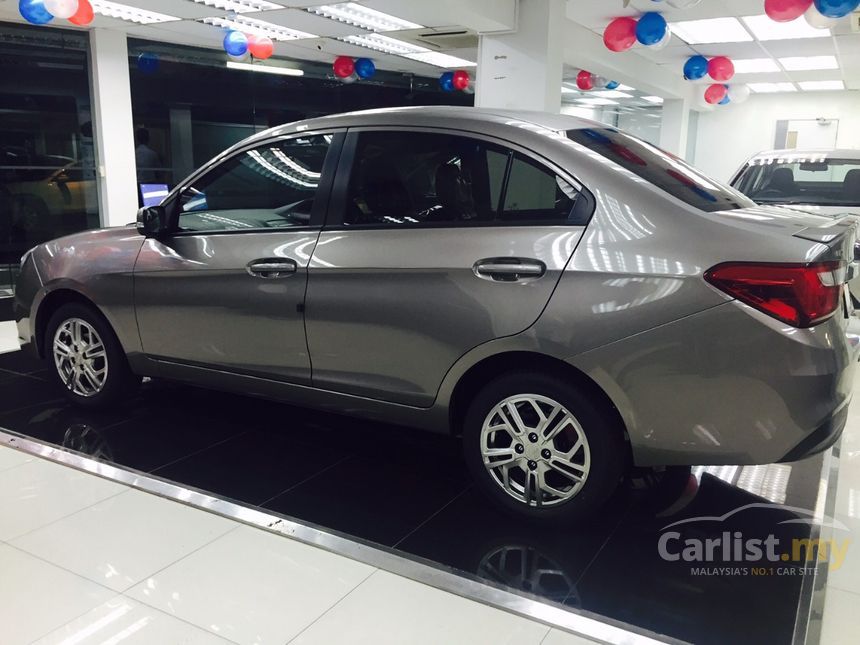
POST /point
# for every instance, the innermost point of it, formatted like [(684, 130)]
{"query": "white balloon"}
[(62, 8), (600, 82), (240, 59), (684, 4), (662, 44), (739, 93), (352, 78), (816, 19)]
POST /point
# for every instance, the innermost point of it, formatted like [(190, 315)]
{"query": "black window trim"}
[(338, 200)]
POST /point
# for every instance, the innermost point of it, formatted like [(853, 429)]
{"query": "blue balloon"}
[(725, 101), (695, 68), (147, 62), (34, 11), (235, 43), (651, 28), (365, 68), (613, 85), (836, 8), (446, 81)]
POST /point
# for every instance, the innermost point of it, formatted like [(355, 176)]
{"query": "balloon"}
[(695, 68), (663, 43), (613, 85), (365, 68), (240, 59), (725, 101), (716, 93), (738, 93), (446, 81), (343, 66), (620, 34), (261, 47), (352, 78), (600, 82), (651, 28), (816, 20), (721, 68), (63, 9), (235, 43), (836, 8), (84, 15), (34, 11), (585, 80), (147, 62), (460, 80), (786, 10), (684, 4)]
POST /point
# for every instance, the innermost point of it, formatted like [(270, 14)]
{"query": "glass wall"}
[(47, 161)]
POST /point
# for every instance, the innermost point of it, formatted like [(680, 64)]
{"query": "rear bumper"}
[(827, 434)]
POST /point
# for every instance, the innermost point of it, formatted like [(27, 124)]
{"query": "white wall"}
[(728, 136)]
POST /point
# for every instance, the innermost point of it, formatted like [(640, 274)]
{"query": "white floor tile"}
[(389, 609), (37, 597), (840, 617), (558, 637), (9, 337), (123, 620), (252, 587), (122, 540), (39, 492), (9, 458)]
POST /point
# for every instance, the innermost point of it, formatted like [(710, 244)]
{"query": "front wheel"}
[(539, 448), (87, 359)]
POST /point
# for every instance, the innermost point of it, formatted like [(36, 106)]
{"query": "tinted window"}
[(411, 178), (802, 180), (271, 186), (667, 172)]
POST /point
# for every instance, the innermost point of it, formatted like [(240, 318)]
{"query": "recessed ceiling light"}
[(364, 17), (612, 94), (766, 29), (771, 88), (806, 63), (568, 90), (258, 28), (755, 66), (625, 88), (814, 86), (385, 44), (241, 6), (440, 60), (658, 100), (131, 14), (712, 30), (265, 69), (597, 101)]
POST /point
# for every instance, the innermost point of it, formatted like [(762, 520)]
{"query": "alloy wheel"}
[(80, 357)]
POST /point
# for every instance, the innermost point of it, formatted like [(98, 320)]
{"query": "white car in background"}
[(825, 182)]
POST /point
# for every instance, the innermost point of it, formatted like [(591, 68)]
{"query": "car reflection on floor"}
[(409, 491)]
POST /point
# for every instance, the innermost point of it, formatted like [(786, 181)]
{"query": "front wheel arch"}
[(49, 306)]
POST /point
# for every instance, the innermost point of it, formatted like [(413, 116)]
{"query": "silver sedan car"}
[(568, 299)]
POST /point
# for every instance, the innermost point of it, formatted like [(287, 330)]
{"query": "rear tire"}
[(87, 359), (541, 449)]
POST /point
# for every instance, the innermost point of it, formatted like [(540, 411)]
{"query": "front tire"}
[(540, 449), (86, 357)]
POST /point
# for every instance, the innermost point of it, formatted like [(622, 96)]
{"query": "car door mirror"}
[(152, 221)]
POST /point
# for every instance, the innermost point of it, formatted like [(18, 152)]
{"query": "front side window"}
[(802, 180), (413, 178), (271, 186)]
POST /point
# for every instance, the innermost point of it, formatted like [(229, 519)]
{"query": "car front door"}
[(436, 243), (226, 290)]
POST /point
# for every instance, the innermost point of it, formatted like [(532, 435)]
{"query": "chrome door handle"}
[(272, 268), (509, 269)]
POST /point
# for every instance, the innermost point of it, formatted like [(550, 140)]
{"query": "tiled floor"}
[(104, 563)]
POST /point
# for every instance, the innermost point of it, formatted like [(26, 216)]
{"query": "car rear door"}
[(435, 243)]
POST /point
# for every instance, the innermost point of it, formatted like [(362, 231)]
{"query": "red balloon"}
[(261, 47), (461, 79), (786, 10), (343, 66), (721, 68), (84, 15), (585, 80), (620, 34), (716, 93)]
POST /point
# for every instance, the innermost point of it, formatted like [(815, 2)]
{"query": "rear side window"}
[(415, 178), (667, 172)]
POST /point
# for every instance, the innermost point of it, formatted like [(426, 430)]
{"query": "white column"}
[(523, 70), (114, 127), (675, 126)]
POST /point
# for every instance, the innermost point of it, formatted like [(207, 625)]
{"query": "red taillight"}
[(798, 294)]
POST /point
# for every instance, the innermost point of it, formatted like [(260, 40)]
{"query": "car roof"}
[(827, 153)]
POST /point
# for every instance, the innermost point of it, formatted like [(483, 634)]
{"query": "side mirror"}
[(152, 221)]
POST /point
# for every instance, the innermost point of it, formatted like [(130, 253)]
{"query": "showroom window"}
[(48, 183), (413, 178)]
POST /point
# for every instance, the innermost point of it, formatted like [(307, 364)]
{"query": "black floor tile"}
[(22, 362), (19, 391), (6, 309)]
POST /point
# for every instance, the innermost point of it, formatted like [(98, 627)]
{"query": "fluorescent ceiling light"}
[(241, 6), (766, 29), (712, 30), (755, 66), (385, 44), (625, 88), (258, 28), (771, 88), (597, 101), (131, 14), (440, 60), (266, 69), (657, 100), (612, 94), (364, 17), (805, 63), (814, 86), (568, 90)]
